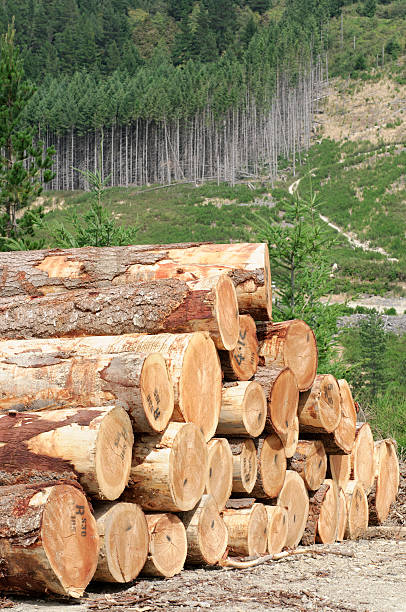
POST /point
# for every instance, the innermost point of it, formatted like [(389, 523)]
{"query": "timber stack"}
[(152, 414)]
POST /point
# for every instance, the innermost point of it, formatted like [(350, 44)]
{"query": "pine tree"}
[(373, 344)]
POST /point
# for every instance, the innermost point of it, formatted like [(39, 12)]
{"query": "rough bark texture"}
[(242, 362), (310, 462), (315, 502)]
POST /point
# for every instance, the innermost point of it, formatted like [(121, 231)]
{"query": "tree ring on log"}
[(254, 409), (226, 309), (168, 545), (212, 532), (156, 392)]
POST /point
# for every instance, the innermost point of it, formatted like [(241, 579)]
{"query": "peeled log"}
[(36, 273), (93, 445), (277, 528), (310, 462), (289, 344), (320, 408), (357, 510), (363, 457), (340, 469), (322, 522), (34, 380), (241, 363), (247, 530), (219, 482), (282, 396), (48, 540), (243, 409), (271, 461), (294, 498), (386, 484), (206, 533), (341, 440), (168, 471), (167, 545), (245, 465), (124, 540), (342, 515)]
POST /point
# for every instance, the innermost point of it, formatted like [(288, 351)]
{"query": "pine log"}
[(315, 501), (169, 471), (37, 273), (357, 510), (386, 483), (241, 363), (322, 522), (271, 461), (319, 408), (363, 457), (167, 545), (339, 469), (341, 440), (277, 528), (93, 445), (289, 344), (245, 465), (206, 533), (310, 462), (243, 409), (124, 540), (342, 515), (48, 540), (219, 482), (32, 380), (282, 397), (295, 499), (247, 530), (290, 439)]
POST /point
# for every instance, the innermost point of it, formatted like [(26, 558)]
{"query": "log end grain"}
[(277, 528), (219, 482), (327, 523), (156, 392), (271, 467), (363, 457), (340, 469), (241, 363), (206, 532), (294, 498), (386, 484), (245, 465), (168, 545), (357, 510), (342, 515), (320, 407)]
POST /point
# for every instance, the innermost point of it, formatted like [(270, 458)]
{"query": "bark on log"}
[(357, 510), (247, 530), (93, 445), (386, 484), (363, 457), (290, 439), (168, 471), (322, 523), (124, 540), (245, 465), (339, 469), (48, 540), (315, 501), (282, 396), (319, 408), (277, 528), (342, 515), (36, 273), (167, 547), (241, 363), (310, 462), (33, 380), (341, 440), (243, 409), (271, 461), (295, 499), (219, 482), (289, 344), (206, 533)]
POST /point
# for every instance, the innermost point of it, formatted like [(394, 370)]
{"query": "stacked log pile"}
[(152, 415)]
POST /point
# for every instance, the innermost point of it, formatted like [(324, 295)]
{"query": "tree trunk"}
[(247, 530), (295, 499), (48, 539), (357, 510), (124, 540), (34, 380), (339, 469), (220, 471), (93, 445), (310, 462), (290, 439), (282, 397), (322, 521), (320, 409), (167, 545), (341, 440), (206, 533), (363, 457), (277, 528), (342, 515), (243, 409), (168, 471), (245, 465), (386, 484), (271, 461), (289, 344), (241, 363)]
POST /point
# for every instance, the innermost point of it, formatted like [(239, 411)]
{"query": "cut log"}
[(380, 451), (92, 444), (386, 484), (320, 408), (294, 498), (245, 465), (167, 547), (277, 528), (124, 540), (219, 482), (243, 409), (36, 273), (363, 457), (322, 522), (168, 471), (290, 439), (48, 540), (289, 344), (271, 461), (247, 530), (206, 533), (341, 440), (342, 515), (241, 363), (282, 397), (340, 469), (357, 510), (310, 462), (33, 381)]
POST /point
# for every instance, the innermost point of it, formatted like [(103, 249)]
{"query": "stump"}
[(245, 465), (310, 462), (168, 471), (340, 469), (93, 445), (219, 482), (341, 440), (271, 461), (241, 363), (357, 510), (289, 344), (124, 540), (167, 547), (386, 484), (342, 515), (322, 522), (320, 407), (243, 409), (290, 439), (247, 530), (294, 498), (277, 528), (206, 533), (362, 457), (48, 540), (282, 396)]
